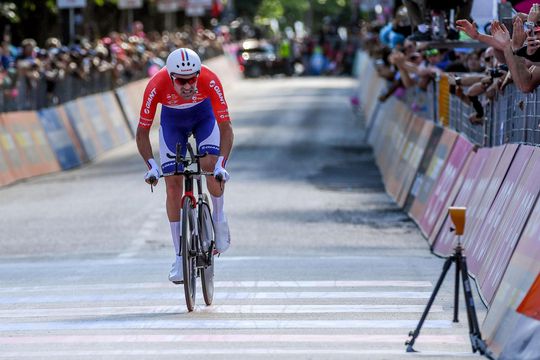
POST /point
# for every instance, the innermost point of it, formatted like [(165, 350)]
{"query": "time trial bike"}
[(197, 235)]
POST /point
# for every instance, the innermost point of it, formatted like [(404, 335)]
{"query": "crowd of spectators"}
[(33, 76), (477, 70), (329, 52)]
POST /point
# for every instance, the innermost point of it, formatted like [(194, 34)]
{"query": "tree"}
[(290, 11)]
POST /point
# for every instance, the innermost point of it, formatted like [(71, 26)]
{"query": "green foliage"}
[(270, 9), (290, 11), (8, 10)]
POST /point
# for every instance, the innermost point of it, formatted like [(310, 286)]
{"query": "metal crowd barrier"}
[(38, 94), (511, 117)]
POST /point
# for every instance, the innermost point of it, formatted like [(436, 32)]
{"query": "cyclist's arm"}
[(226, 138), (146, 118), (142, 137)]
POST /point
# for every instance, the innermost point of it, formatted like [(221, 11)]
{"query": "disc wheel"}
[(189, 260), (207, 244)]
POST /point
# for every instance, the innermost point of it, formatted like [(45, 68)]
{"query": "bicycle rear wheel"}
[(189, 253), (207, 243)]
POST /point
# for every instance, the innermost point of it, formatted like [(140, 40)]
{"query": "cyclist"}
[(192, 101)]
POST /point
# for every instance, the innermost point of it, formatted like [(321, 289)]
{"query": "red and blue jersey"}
[(160, 90)]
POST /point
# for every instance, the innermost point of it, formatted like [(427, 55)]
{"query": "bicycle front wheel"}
[(189, 253), (207, 237)]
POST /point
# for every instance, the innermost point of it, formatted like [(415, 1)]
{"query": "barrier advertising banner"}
[(431, 175), (132, 115), (393, 139), (450, 200), (437, 202), (7, 153), (59, 138), (483, 237), (396, 142), (83, 129), (484, 194), (444, 242), (380, 127), (523, 341), (530, 306), (121, 131), (5, 173), (520, 199), (415, 160), (36, 154), (92, 109), (423, 167), (400, 169), (77, 144), (518, 290)]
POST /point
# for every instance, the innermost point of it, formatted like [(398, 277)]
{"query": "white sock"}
[(218, 213), (175, 233)]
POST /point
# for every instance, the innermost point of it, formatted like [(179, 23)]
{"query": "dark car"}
[(258, 58)]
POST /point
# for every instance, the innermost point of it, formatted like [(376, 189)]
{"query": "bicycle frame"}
[(190, 177)]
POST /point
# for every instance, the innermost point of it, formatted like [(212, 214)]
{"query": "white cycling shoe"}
[(223, 236), (176, 275)]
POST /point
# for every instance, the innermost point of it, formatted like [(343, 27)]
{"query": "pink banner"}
[(486, 190), (427, 155), (502, 318), (432, 174), (520, 199), (445, 240), (501, 191), (439, 197)]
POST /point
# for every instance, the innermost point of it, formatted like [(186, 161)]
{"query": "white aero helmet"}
[(183, 61)]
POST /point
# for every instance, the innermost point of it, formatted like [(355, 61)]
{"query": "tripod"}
[(474, 330)]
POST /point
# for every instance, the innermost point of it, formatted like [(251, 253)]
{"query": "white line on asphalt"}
[(239, 351), (221, 324), (223, 284), (219, 309), (173, 295), (57, 264), (226, 338)]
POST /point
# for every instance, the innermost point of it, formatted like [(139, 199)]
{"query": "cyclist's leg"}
[(208, 139), (207, 135), (169, 135)]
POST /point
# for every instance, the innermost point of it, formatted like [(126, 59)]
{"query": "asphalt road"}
[(322, 264)]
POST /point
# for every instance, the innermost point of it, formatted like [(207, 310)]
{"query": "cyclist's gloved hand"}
[(219, 169), (152, 175)]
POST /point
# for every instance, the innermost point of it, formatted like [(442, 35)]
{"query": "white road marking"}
[(221, 324), (219, 309), (221, 284), (240, 351), (226, 338), (175, 295)]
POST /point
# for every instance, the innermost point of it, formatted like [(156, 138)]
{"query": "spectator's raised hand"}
[(467, 28), (397, 58), (519, 35), (534, 14), (533, 43), (501, 35)]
